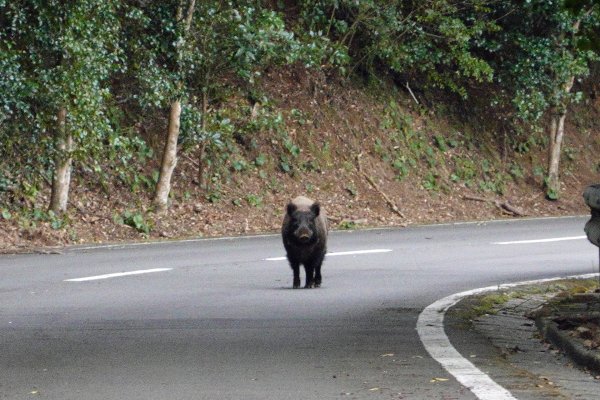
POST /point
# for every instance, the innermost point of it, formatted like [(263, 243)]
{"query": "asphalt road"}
[(221, 322)]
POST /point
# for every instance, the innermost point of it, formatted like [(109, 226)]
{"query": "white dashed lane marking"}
[(340, 253), (550, 240), (118, 275)]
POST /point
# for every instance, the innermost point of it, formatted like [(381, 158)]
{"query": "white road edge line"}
[(430, 327), (117, 275), (561, 239), (339, 253)]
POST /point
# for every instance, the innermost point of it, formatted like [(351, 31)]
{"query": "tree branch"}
[(389, 201), (503, 206)]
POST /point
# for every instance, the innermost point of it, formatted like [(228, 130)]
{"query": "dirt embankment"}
[(370, 164)]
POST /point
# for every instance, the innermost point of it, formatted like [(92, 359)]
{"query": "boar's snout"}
[(304, 234)]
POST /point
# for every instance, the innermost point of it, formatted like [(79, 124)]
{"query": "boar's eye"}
[(295, 221)]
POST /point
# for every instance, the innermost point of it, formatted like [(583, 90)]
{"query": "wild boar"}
[(304, 233)]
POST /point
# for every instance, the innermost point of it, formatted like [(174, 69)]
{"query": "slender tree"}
[(61, 178), (183, 22), (575, 65)]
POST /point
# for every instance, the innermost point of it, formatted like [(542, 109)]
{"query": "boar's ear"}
[(291, 207), (316, 209)]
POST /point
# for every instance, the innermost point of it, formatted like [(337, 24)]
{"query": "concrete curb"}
[(582, 356)]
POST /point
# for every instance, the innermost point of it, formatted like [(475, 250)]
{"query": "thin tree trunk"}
[(169, 159), (556, 138), (557, 132), (61, 179), (202, 156)]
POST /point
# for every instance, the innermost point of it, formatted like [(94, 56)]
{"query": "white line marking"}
[(544, 240), (117, 275), (339, 253), (430, 327)]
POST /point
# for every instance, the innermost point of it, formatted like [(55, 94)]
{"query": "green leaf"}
[(6, 214)]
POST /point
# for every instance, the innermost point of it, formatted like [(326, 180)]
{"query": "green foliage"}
[(29, 219), (135, 220), (488, 303), (254, 200), (347, 225), (441, 143), (116, 64), (5, 214), (214, 196), (57, 56), (351, 189), (121, 158), (260, 160), (273, 121), (430, 182), (435, 39), (516, 171), (409, 147), (551, 194), (536, 60)]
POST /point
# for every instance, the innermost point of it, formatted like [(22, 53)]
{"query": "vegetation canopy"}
[(116, 94)]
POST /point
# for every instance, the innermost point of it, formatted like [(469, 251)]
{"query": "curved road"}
[(215, 319)]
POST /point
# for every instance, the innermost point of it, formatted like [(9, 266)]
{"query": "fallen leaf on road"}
[(439, 380)]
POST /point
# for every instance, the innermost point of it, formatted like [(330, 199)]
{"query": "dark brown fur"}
[(304, 233)]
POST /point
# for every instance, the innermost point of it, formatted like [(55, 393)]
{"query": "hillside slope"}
[(371, 158)]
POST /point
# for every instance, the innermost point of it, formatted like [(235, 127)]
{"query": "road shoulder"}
[(501, 340)]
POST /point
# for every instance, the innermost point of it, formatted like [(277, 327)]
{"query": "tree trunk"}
[(557, 131), (61, 179), (169, 159), (202, 156)]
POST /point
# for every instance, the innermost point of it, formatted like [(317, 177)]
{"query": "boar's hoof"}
[(309, 285)]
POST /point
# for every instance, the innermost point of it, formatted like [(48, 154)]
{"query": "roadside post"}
[(591, 195)]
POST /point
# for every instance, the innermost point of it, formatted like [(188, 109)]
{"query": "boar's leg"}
[(296, 268), (318, 278), (310, 272)]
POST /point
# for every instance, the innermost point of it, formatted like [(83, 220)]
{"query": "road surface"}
[(216, 319)]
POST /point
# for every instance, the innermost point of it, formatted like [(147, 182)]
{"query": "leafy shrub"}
[(135, 220)]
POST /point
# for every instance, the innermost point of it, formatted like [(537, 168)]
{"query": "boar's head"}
[(303, 223)]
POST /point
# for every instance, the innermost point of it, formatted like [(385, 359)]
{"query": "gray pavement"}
[(221, 321), (508, 346)]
